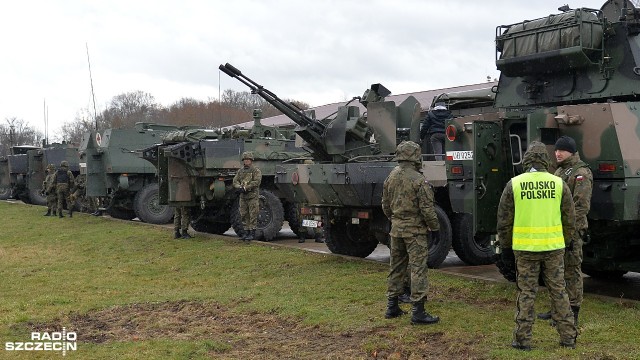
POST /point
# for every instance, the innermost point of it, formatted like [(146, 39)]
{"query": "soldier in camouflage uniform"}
[(577, 175), (535, 223), (48, 187), (407, 200), (64, 180), (181, 220), (247, 183)]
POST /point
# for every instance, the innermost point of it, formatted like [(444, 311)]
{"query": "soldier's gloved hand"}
[(435, 234), (570, 247), (508, 258), (244, 190), (238, 191)]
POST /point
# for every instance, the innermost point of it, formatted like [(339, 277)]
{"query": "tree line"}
[(125, 110)]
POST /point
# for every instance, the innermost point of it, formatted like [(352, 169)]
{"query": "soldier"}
[(64, 180), (535, 223), (577, 175), (181, 220), (78, 191), (247, 183), (407, 200), (432, 128), (48, 187)]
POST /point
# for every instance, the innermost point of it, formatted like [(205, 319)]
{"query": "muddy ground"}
[(236, 335)]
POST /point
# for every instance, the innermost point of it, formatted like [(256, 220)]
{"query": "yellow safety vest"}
[(537, 224)]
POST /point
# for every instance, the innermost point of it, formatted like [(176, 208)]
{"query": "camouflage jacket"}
[(507, 210), (249, 178), (407, 200), (577, 175), (49, 182)]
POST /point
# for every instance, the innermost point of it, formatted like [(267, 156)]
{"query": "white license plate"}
[(310, 223)]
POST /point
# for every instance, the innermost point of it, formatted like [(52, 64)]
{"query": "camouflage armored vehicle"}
[(116, 174), (341, 191), (38, 159), (576, 73), (196, 169), (14, 169)]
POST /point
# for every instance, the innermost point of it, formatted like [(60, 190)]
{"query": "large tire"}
[(270, 216), (146, 205), (210, 226), (122, 214), (343, 237), (291, 216), (5, 193), (36, 198), (439, 248), (472, 250)]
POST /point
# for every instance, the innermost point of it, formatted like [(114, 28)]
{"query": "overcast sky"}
[(318, 51)]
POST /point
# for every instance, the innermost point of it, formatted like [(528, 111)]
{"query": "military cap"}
[(536, 153), (566, 143), (247, 155), (64, 163), (408, 151)]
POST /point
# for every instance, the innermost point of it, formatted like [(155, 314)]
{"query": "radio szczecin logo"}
[(46, 341)]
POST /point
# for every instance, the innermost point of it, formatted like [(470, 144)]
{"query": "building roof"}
[(425, 99)]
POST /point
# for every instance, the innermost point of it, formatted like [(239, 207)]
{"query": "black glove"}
[(244, 190), (238, 191), (508, 258), (435, 234), (570, 246)]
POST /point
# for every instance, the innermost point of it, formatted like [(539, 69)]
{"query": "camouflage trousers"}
[(62, 192), (409, 255), (52, 201), (181, 218), (529, 265), (573, 272), (249, 212)]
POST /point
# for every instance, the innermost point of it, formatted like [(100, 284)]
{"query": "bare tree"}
[(17, 132), (129, 108)]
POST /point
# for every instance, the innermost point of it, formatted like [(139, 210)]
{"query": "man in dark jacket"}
[(432, 128)]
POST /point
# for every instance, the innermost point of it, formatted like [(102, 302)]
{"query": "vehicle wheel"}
[(604, 274), (291, 216), (146, 205), (36, 198), (270, 216), (343, 237), (5, 193), (472, 250), (210, 226), (119, 213), (439, 248)]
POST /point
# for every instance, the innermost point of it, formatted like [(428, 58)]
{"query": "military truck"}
[(575, 73), (14, 169), (126, 183), (38, 159), (196, 169), (341, 191)]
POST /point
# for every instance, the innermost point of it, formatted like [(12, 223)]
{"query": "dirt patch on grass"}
[(230, 334)]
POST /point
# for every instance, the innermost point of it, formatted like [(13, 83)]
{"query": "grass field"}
[(130, 291)]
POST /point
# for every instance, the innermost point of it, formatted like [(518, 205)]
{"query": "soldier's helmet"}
[(51, 167), (536, 154), (408, 151), (64, 163), (247, 155)]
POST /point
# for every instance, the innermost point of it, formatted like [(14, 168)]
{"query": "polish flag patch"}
[(579, 178)]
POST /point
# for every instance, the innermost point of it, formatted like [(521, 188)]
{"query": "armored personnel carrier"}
[(14, 169), (38, 159), (126, 183), (575, 73), (196, 169)]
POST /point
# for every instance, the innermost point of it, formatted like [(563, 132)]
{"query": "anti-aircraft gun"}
[(127, 184), (196, 169), (341, 190), (575, 73)]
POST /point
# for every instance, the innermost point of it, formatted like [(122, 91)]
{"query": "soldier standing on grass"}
[(48, 187), (64, 180), (577, 175), (535, 223), (407, 200), (181, 221), (247, 183)]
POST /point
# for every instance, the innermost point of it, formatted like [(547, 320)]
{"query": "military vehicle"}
[(14, 169), (38, 159), (576, 73), (196, 169), (126, 183), (342, 190)]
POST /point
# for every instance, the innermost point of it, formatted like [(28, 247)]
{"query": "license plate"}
[(310, 223)]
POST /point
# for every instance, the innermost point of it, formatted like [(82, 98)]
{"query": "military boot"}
[(176, 234), (576, 310), (250, 235), (60, 214), (393, 309), (545, 315), (70, 213), (53, 213), (185, 235), (242, 233), (48, 212), (405, 298), (419, 317)]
